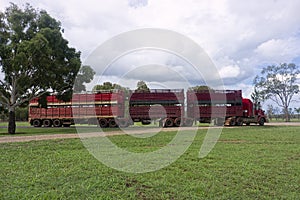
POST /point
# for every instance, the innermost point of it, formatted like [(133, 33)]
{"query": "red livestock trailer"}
[(102, 107), (223, 107), (165, 105)]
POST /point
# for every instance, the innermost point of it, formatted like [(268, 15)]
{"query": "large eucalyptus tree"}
[(34, 58), (279, 84)]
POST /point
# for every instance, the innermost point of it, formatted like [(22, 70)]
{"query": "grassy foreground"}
[(247, 163)]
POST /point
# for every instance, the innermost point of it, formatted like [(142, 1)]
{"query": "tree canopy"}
[(34, 57), (142, 87), (85, 75), (200, 88), (279, 84), (257, 96), (109, 86)]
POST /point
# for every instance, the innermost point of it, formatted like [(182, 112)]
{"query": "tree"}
[(200, 88), (142, 87), (297, 110), (34, 58), (278, 83), (277, 113), (270, 111), (291, 113), (104, 86), (257, 97), (109, 86), (85, 75)]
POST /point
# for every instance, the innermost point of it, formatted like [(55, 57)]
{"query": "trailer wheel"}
[(37, 123), (261, 122), (188, 122), (57, 123), (239, 122), (103, 123), (47, 123), (122, 123), (177, 122), (146, 122), (219, 121), (112, 123), (168, 122), (232, 122)]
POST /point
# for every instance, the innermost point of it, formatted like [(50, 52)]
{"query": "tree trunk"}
[(12, 122), (286, 114)]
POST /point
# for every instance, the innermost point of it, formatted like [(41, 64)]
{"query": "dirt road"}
[(9, 139), (283, 124)]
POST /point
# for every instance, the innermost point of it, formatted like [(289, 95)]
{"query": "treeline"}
[(277, 114), (280, 117), (21, 114)]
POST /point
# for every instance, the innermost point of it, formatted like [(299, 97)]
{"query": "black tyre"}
[(261, 122), (177, 122), (122, 123), (47, 123), (232, 122), (103, 123), (219, 121), (146, 122), (57, 123), (168, 122), (188, 122), (112, 123), (37, 123), (239, 122)]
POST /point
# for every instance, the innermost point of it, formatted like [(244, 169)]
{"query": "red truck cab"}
[(253, 113)]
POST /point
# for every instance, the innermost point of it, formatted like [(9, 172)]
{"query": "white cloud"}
[(230, 71), (137, 3), (239, 36), (279, 50)]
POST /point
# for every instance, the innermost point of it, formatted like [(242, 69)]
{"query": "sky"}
[(239, 37)]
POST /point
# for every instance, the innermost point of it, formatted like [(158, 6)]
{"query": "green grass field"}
[(247, 163), (23, 128)]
